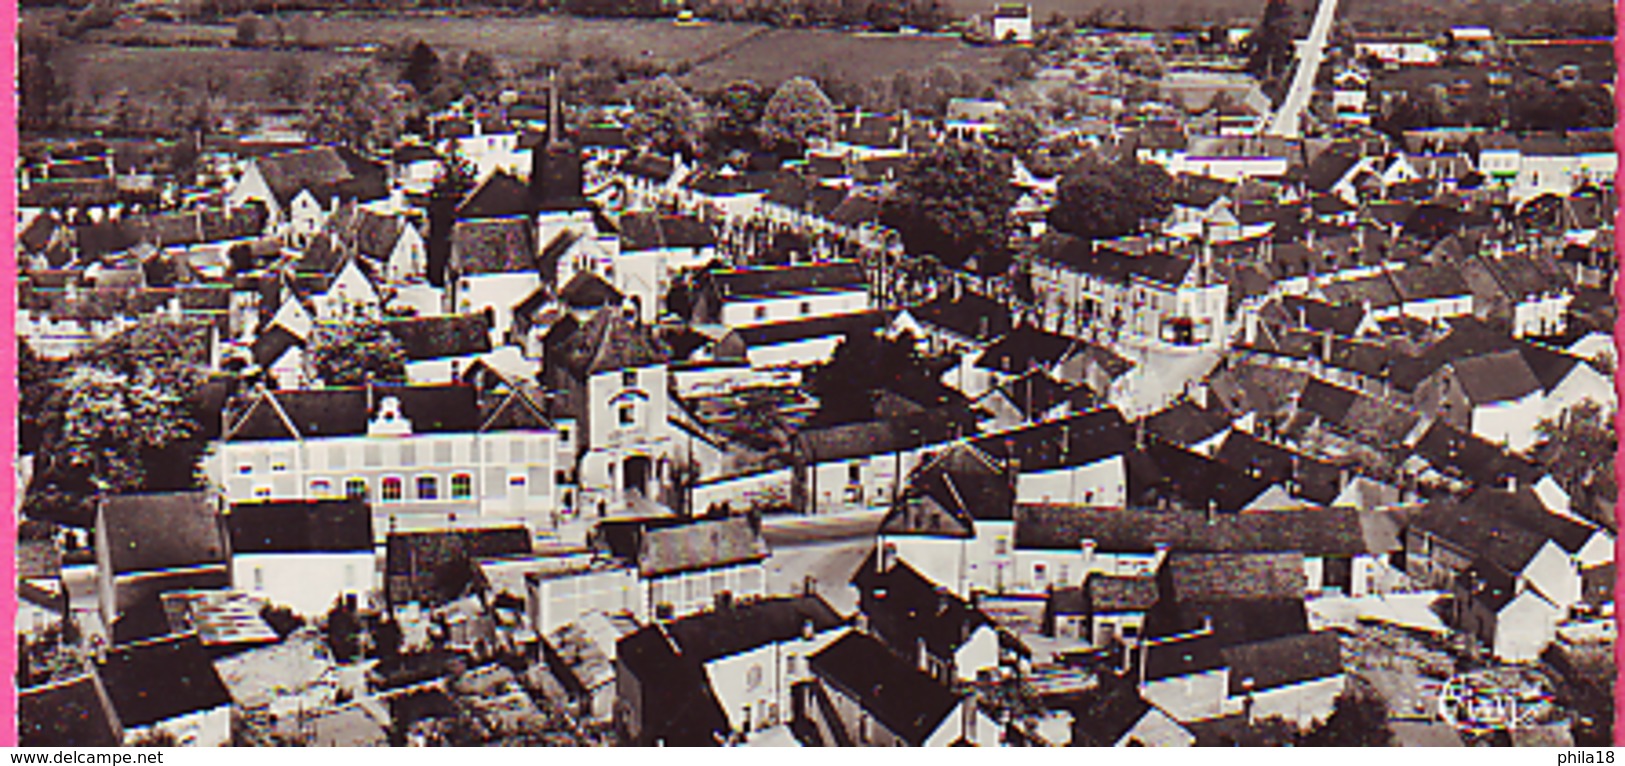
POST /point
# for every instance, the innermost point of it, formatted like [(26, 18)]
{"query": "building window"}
[(854, 473), (374, 455), (1001, 546), (629, 378), (806, 308), (409, 454), (393, 489), (245, 469), (761, 313), (321, 488), (462, 486), (262, 493), (564, 435), (355, 489), (428, 488), (336, 456), (1040, 573), (627, 417), (516, 481), (516, 450), (538, 481), (259, 578), (279, 465)]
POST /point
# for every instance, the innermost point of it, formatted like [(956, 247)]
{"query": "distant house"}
[(1398, 52), (563, 589), (1013, 23), (74, 712), (409, 450), (1495, 396), (744, 658), (859, 465), (300, 188), (956, 324), (683, 566), (440, 349), (954, 525), (866, 696), (169, 686), (1108, 288), (305, 554), (147, 545), (1078, 459), (745, 297)]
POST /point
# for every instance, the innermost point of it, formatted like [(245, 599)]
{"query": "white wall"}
[(207, 728), (980, 652), (559, 601), (1302, 703), (1101, 483), (1524, 628), (307, 582), (1193, 697), (1510, 423), (748, 313)]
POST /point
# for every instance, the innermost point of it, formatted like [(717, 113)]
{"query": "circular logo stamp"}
[(1479, 704)]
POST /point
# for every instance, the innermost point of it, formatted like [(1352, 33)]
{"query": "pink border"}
[(8, 387), (1619, 329)]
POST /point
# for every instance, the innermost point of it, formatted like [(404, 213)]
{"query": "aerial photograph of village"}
[(801, 373)]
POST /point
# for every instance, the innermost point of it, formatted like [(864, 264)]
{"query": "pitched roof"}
[(501, 195), (1498, 377), (1486, 536), (907, 702), (435, 337), (1025, 347), (1318, 532), (968, 315), (881, 437), (493, 246), (588, 290), (748, 284), (1077, 440), (699, 545), (1113, 259), (1186, 423), (300, 526), (152, 532), (158, 680), (1284, 661), (609, 341), (1471, 457), (325, 171), (678, 706), (450, 408), (1218, 577), (649, 230), (907, 610), (70, 713), (1160, 471), (740, 627), (1105, 593)]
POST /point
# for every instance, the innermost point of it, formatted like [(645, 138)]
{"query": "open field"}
[(781, 54), (100, 71)]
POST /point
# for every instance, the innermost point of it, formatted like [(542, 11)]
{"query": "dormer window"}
[(629, 378), (389, 420)]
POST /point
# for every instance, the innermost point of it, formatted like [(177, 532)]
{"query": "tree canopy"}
[(1269, 47), (798, 112), (738, 108), (353, 353), (666, 117), (351, 107), (1578, 448), (1101, 200), (864, 364), (954, 202)]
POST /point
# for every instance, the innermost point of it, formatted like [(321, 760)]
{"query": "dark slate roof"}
[(1104, 593), (1524, 509), (1036, 393), (161, 679), (729, 630), (1107, 259), (324, 170), (746, 284), (1471, 457), (1073, 441), (1420, 282), (907, 610), (500, 196), (678, 706), (70, 713), (1160, 471), (966, 480), (493, 246), (1219, 577), (907, 702), (1108, 713), (437, 565), (588, 290), (441, 336), (649, 166), (1024, 348), (152, 532), (269, 346), (1311, 314), (1186, 423), (648, 230), (968, 315), (346, 411), (1261, 459), (1497, 377), (699, 545), (1499, 541), (300, 526), (881, 437), (609, 341), (1318, 532), (1283, 661)]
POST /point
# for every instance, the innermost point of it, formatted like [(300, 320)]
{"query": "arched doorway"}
[(635, 474)]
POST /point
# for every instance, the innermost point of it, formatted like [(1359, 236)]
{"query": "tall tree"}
[(1578, 447), (739, 107), (954, 202), (351, 107), (422, 70), (1100, 200), (798, 112), (353, 353), (1269, 47), (665, 118)]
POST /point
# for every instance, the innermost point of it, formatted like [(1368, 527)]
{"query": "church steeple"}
[(555, 166)]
